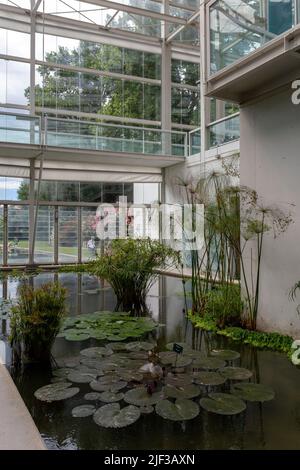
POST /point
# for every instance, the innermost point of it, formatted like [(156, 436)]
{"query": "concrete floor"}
[(17, 430)]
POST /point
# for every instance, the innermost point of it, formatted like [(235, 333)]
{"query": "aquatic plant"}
[(112, 416), (83, 411), (253, 392), (35, 320), (130, 266), (107, 325), (181, 410), (222, 404), (56, 392)]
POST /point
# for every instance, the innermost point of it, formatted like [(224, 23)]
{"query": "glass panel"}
[(1, 234), (18, 234), (195, 142), (14, 43), (224, 131), (13, 189), (239, 28), (112, 192), (90, 192), (90, 241), (19, 129), (185, 72), (67, 191), (44, 244), (93, 55), (15, 81), (68, 235), (185, 106)]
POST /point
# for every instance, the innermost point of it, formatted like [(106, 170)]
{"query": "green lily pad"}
[(80, 336), (89, 370), (181, 410), (80, 377), (186, 391), (105, 325), (91, 363), (112, 416), (96, 352), (130, 375), (116, 346), (236, 373), (208, 378), (146, 409), (83, 411), (178, 380), (108, 384), (253, 392), (62, 372), (223, 404), (175, 360), (92, 396), (212, 363), (56, 392), (139, 396), (111, 397), (139, 346), (225, 354)]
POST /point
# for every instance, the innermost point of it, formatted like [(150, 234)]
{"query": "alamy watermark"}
[(296, 94), (181, 224)]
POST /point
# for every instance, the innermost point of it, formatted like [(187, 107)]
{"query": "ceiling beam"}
[(137, 11), (178, 30)]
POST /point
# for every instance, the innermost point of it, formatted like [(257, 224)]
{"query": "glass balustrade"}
[(19, 129), (84, 135), (224, 131), (238, 28)]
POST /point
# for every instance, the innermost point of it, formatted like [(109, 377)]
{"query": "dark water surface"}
[(273, 425)]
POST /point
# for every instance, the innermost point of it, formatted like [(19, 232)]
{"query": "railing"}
[(195, 141), (224, 130), (86, 135), (114, 138), (239, 28), (20, 128)]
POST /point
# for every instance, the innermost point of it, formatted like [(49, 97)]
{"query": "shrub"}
[(129, 265), (36, 319), (224, 305)]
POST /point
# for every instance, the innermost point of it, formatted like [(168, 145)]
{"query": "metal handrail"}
[(225, 118)]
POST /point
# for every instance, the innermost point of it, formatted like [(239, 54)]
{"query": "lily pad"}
[(181, 410), (83, 411), (178, 380), (212, 363), (108, 384), (174, 359), (80, 377), (186, 391), (80, 336), (139, 396), (62, 372), (139, 346), (236, 373), (112, 416), (223, 404), (225, 354), (146, 409), (130, 375), (116, 346), (96, 352), (253, 392), (111, 397), (208, 378), (105, 325), (92, 396), (56, 392)]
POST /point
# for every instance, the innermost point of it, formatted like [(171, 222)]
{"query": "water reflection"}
[(273, 425)]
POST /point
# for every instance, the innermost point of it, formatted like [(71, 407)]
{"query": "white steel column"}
[(204, 102)]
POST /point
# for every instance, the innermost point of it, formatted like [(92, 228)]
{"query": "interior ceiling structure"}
[(159, 19)]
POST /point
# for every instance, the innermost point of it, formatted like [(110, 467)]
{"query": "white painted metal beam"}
[(190, 21), (137, 11)]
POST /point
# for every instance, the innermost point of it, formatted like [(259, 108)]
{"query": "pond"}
[(273, 424)]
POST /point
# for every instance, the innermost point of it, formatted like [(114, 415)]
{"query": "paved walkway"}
[(17, 428)]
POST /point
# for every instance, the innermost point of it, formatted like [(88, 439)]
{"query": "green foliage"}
[(274, 341), (129, 265), (224, 305), (36, 318)]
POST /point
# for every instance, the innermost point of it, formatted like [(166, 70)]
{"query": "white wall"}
[(270, 163)]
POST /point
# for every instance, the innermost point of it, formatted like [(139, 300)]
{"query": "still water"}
[(272, 425)]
